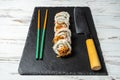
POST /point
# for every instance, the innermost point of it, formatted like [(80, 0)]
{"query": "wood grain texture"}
[(15, 19)]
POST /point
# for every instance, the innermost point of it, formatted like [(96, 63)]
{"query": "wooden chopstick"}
[(43, 35), (38, 35)]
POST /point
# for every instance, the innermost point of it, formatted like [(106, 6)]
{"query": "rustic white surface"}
[(15, 19)]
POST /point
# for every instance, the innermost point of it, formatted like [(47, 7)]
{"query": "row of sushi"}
[(62, 36)]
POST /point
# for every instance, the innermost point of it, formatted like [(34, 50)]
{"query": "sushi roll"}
[(62, 36), (62, 48)]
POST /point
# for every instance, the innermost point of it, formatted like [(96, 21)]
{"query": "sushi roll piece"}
[(59, 26), (62, 48), (63, 14), (63, 30), (61, 20), (62, 34)]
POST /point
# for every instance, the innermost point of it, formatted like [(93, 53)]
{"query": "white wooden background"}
[(15, 17)]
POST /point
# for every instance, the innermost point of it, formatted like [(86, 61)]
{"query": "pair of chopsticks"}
[(40, 46)]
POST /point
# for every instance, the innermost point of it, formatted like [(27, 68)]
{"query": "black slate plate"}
[(76, 64)]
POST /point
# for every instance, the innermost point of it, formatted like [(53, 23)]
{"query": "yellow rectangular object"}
[(93, 56)]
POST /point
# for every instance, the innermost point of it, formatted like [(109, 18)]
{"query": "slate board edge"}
[(20, 71)]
